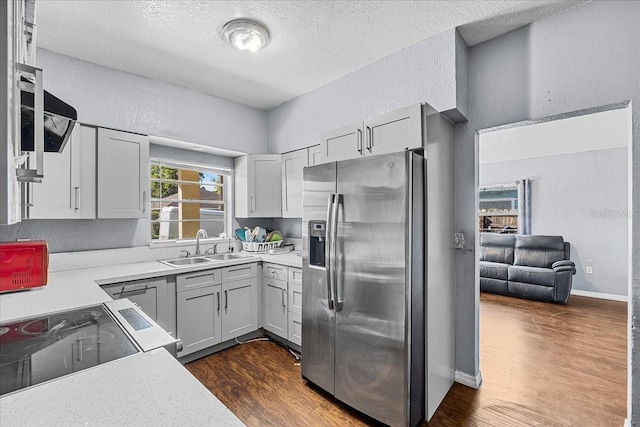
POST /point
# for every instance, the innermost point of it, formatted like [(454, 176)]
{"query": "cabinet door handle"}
[(201, 275), (253, 204), (144, 201), (77, 198), (226, 300), (78, 349), (284, 297), (359, 142), (124, 290), (369, 139), (218, 301)]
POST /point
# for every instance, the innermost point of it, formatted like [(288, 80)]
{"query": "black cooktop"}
[(40, 349)]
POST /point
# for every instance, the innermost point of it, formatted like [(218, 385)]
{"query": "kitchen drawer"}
[(144, 293), (120, 290), (275, 271), (239, 272), (295, 298), (295, 275), (198, 279), (294, 329)]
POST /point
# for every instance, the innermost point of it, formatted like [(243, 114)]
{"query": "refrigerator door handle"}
[(327, 251), (337, 200)]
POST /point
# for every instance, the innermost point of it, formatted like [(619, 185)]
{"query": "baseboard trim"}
[(599, 295), (469, 380)]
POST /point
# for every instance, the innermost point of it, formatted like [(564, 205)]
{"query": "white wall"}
[(583, 198), (425, 72), (107, 97), (110, 98), (582, 58), (579, 174), (597, 131)]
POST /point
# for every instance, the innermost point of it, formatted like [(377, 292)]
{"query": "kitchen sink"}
[(225, 257), (187, 261), (180, 262)]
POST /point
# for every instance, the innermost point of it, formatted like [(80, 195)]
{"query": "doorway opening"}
[(566, 175)]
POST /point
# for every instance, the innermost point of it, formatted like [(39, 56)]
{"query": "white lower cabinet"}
[(294, 329), (282, 302), (275, 306), (156, 297), (216, 305), (199, 318), (240, 314)]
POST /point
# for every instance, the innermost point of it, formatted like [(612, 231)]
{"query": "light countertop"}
[(145, 389), (149, 388), (80, 288)]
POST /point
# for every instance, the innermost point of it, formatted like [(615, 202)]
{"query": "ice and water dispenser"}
[(317, 236)]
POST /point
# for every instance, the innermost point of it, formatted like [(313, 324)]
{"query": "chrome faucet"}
[(201, 233)]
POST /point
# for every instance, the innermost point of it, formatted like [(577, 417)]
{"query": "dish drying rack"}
[(260, 246)]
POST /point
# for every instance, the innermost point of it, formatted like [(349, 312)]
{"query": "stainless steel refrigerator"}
[(363, 333)]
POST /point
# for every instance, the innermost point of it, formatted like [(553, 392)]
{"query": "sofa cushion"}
[(494, 270), (497, 247), (529, 291), (495, 286), (533, 275), (538, 251)]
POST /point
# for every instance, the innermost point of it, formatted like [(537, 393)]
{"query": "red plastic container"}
[(23, 265)]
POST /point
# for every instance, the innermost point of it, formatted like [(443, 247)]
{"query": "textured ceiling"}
[(313, 42)]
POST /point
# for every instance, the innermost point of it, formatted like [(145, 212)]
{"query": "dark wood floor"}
[(542, 365)]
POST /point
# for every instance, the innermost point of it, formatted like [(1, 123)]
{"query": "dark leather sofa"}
[(526, 266)]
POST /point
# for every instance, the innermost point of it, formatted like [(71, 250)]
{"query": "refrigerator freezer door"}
[(371, 352), (318, 319)]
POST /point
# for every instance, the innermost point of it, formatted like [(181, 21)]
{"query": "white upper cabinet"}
[(258, 182), (394, 131), (341, 144), (315, 155), (68, 189), (123, 174), (391, 132), (292, 165)]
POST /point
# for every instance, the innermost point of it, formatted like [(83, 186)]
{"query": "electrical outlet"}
[(458, 240), (588, 270)]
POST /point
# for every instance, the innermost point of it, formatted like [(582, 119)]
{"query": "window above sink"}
[(186, 197)]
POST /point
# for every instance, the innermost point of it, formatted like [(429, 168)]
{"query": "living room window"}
[(186, 197), (498, 205)]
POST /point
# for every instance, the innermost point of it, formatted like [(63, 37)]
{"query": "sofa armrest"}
[(563, 263), (565, 268)]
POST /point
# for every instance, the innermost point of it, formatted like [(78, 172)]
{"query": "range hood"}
[(59, 119)]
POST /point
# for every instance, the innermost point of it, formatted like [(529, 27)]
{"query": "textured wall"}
[(582, 197), (71, 235), (424, 72), (110, 98), (582, 58)]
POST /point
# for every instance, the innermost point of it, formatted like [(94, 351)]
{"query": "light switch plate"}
[(458, 240)]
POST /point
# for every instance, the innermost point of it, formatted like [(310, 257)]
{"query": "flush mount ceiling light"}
[(246, 34)]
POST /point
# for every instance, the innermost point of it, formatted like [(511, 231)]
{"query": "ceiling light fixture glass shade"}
[(246, 34)]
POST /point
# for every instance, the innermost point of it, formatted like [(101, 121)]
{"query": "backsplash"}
[(71, 235)]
